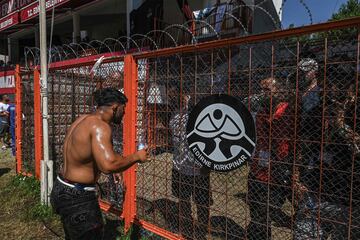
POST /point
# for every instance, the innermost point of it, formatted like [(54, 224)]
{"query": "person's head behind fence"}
[(5, 98), (108, 97)]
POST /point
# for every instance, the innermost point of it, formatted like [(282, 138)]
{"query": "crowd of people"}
[(306, 155), (7, 124), (306, 148)]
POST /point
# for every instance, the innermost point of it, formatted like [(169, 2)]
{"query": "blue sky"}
[(321, 10)]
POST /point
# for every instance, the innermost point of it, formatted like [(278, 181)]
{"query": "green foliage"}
[(40, 211), (127, 236), (347, 10), (29, 187)]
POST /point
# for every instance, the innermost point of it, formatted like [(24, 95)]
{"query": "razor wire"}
[(313, 192), (172, 36), (116, 42)]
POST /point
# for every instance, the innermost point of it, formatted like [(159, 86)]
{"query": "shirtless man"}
[(88, 150)]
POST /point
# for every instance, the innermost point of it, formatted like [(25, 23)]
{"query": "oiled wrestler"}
[(88, 150)]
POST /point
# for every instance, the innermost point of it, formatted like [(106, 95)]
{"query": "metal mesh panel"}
[(71, 95), (303, 179), (27, 134), (111, 185)]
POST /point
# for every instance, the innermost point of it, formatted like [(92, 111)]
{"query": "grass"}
[(29, 188), (22, 216)]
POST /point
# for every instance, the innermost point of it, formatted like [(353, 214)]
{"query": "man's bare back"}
[(78, 158), (88, 150)]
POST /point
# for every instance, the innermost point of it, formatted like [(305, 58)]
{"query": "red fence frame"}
[(130, 121), (18, 119), (130, 86), (37, 123)]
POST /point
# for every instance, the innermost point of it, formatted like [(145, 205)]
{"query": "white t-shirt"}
[(3, 108)]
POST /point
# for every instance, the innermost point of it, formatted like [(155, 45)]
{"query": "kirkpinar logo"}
[(221, 133)]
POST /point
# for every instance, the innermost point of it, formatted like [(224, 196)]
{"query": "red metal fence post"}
[(37, 123), (18, 119), (129, 136)]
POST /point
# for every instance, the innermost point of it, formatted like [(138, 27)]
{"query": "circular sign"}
[(221, 133)]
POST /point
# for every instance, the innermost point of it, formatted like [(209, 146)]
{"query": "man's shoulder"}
[(92, 122)]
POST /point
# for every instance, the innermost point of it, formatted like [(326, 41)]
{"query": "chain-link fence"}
[(302, 182), (71, 95), (301, 88), (27, 130)]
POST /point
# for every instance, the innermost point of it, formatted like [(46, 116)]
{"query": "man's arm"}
[(106, 159)]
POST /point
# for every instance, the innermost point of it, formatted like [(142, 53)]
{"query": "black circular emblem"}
[(221, 133)]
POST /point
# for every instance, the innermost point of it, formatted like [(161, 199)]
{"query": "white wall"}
[(277, 5)]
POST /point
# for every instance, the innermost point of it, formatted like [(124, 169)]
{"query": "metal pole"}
[(76, 27), (44, 87), (129, 8)]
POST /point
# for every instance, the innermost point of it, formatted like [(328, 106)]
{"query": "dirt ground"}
[(229, 213)]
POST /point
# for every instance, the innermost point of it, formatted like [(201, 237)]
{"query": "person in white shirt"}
[(189, 178), (4, 119)]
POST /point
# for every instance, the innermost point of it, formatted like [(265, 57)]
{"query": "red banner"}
[(9, 21), (7, 79), (33, 10), (9, 6)]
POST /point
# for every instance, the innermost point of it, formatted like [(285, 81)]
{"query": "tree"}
[(347, 10)]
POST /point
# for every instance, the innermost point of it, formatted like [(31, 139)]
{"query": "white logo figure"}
[(220, 128)]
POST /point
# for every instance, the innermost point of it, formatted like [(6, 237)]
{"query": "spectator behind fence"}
[(87, 152), (269, 180), (12, 119), (189, 179), (4, 120), (351, 110), (322, 120)]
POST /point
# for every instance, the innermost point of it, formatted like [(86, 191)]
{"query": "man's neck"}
[(104, 115)]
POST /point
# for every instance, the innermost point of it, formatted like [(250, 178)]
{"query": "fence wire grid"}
[(303, 180), (27, 130), (71, 95)]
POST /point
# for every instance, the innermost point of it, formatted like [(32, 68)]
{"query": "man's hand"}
[(118, 178), (142, 155)]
